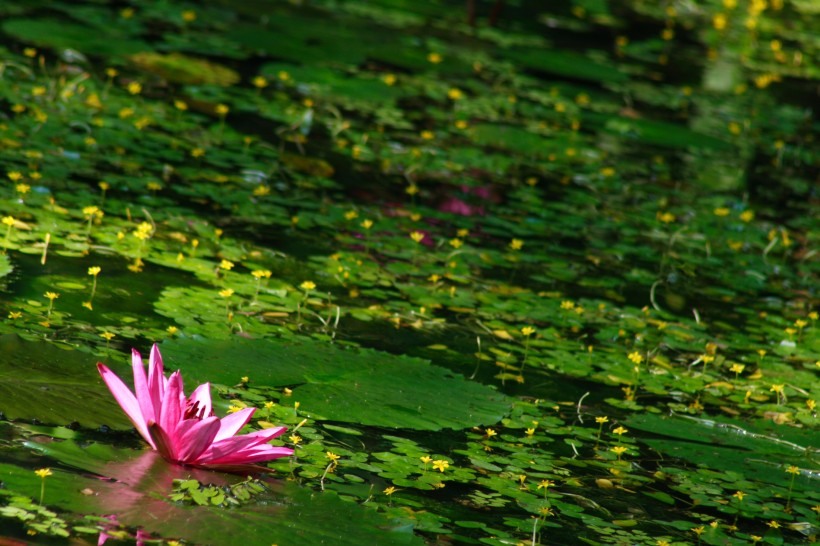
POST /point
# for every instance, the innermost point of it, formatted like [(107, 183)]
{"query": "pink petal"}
[(202, 396), (233, 422), (163, 442), (172, 409), (236, 446), (156, 377), (125, 398), (253, 455), (194, 437), (144, 395)]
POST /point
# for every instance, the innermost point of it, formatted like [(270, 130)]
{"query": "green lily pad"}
[(62, 34), (566, 63), (5, 265), (350, 385), (179, 68), (725, 445), (41, 381)]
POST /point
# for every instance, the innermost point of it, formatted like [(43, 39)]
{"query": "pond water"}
[(551, 280)]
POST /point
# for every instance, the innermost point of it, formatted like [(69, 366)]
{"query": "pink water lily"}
[(185, 430)]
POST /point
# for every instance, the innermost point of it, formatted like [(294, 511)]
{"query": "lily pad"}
[(179, 68), (345, 384), (62, 34), (39, 381)]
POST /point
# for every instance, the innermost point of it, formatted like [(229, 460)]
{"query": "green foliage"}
[(346, 384), (549, 281)]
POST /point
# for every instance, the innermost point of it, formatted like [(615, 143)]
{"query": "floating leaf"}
[(43, 382), (179, 68), (345, 384)]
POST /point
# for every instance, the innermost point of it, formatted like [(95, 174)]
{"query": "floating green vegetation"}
[(548, 281)]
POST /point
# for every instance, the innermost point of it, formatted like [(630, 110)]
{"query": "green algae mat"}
[(549, 278)]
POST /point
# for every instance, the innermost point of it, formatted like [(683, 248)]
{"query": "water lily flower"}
[(185, 430)]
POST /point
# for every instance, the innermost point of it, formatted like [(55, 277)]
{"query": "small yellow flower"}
[(618, 450), (43, 472), (666, 217), (260, 82), (530, 431), (545, 484), (197, 152), (747, 215), (546, 511), (434, 58), (222, 109), (307, 285), (425, 459), (490, 433), (739, 495), (440, 464), (226, 293), (635, 357), (332, 456), (94, 270), (417, 236), (389, 79), (180, 105), (721, 211), (227, 265), (389, 490), (30, 52), (427, 135), (367, 224), (294, 438), (8, 220), (620, 430), (172, 330), (260, 273), (108, 336), (14, 315), (791, 469), (52, 295), (528, 330), (456, 243), (135, 88), (602, 420), (516, 244), (567, 305), (455, 94), (773, 524)]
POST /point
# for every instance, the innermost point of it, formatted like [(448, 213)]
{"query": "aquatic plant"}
[(185, 430)]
